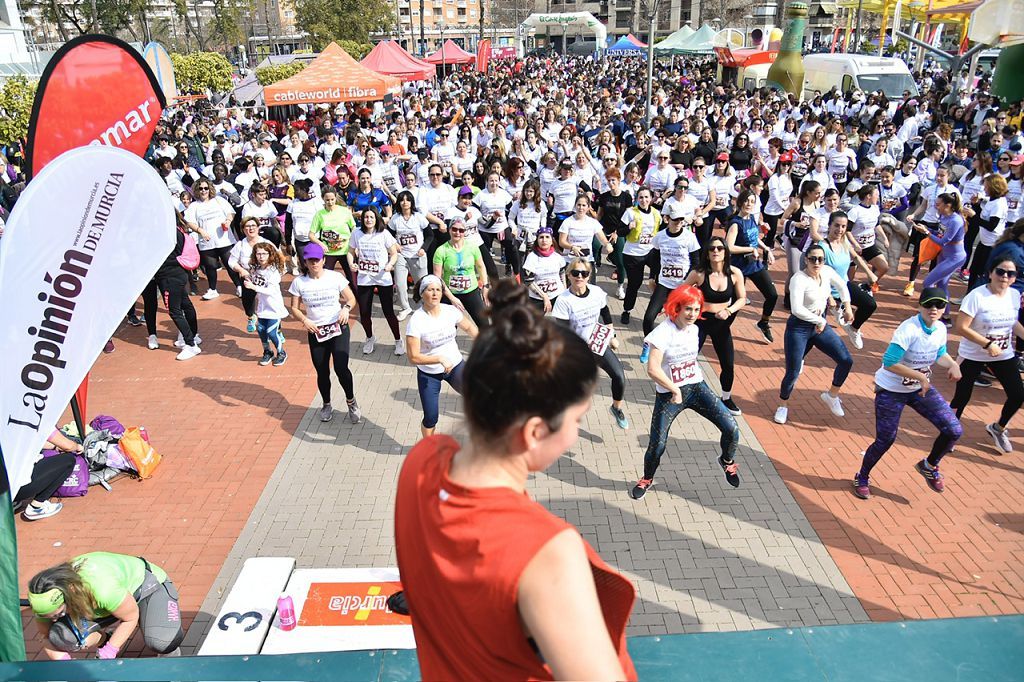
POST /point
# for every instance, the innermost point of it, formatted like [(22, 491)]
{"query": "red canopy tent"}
[(451, 53), (391, 59)]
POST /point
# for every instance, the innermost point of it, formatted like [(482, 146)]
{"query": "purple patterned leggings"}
[(888, 410)]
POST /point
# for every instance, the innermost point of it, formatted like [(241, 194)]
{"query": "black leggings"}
[(635, 277), (973, 226), (1003, 370), (386, 294), (864, 304), (322, 352), (209, 260), (473, 302), (763, 281), (179, 305), (248, 302), (331, 261), (720, 332), (654, 307), (773, 228), (508, 247), (915, 245), (981, 255), (48, 474), (611, 365)]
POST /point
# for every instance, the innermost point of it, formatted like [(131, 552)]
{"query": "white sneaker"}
[(238, 291), (399, 346), (781, 415), (180, 343), (404, 313), (621, 293), (834, 404), (210, 294), (42, 510), (188, 352), (152, 343), (855, 338), (369, 345)]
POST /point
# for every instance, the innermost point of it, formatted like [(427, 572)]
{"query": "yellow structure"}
[(933, 12)]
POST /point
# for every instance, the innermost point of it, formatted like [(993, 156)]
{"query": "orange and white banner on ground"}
[(343, 609)]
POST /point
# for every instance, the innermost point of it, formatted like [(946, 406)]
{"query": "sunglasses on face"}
[(434, 175), (698, 168), (580, 273), (457, 230), (816, 259), (716, 247), (933, 305), (1002, 272)]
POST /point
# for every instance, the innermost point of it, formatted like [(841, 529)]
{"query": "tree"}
[(78, 17), (201, 71), (355, 49), (278, 72), (16, 97), (327, 20)]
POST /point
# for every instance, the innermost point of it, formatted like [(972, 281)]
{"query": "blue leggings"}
[(800, 337), (888, 410), (430, 391), (270, 332), (702, 400), (950, 260)]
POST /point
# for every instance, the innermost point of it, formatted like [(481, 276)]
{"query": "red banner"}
[(483, 55), (95, 90)]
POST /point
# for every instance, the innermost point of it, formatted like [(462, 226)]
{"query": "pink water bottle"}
[(144, 433), (285, 613)]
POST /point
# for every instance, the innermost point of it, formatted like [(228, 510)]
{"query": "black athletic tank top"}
[(713, 296)]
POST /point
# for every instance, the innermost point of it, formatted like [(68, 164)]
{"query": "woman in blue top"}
[(950, 236), (905, 380), (752, 256), (365, 195), (840, 255)]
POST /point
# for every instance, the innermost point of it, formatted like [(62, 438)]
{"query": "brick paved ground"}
[(786, 548)]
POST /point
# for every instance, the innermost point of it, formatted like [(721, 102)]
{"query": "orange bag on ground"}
[(928, 250), (139, 452)]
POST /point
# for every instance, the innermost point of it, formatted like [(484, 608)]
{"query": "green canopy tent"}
[(701, 42), (670, 46)]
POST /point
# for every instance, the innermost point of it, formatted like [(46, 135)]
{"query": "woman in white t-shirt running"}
[(680, 385), (372, 254), (430, 340), (328, 300), (584, 307), (986, 324), (266, 265), (904, 380)]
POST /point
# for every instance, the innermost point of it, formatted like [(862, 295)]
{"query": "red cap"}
[(722, 156)]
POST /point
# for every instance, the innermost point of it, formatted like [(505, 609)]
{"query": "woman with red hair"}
[(680, 385)]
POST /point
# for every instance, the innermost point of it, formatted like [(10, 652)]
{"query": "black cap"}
[(933, 294)]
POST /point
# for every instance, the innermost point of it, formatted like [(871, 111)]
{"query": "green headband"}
[(47, 602)]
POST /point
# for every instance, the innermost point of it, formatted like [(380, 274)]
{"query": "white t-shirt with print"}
[(321, 296), (921, 350), (409, 232), (547, 272), (581, 233), (437, 336), (679, 348), (373, 257), (675, 256), (994, 317), (581, 312)]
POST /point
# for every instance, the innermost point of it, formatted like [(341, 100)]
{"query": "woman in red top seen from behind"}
[(499, 587)]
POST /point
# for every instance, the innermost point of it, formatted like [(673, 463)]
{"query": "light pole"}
[(444, 65), (423, 39), (856, 43), (747, 18), (650, 60)]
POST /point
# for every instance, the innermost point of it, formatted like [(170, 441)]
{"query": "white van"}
[(849, 72)]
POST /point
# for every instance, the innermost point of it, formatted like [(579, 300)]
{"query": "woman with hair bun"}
[(482, 564), (680, 385)]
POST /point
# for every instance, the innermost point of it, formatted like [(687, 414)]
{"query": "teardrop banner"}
[(98, 90), (68, 271)]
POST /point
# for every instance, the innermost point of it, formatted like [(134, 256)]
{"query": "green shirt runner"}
[(458, 267)]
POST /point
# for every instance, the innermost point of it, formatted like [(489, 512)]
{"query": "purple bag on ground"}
[(77, 482), (103, 421)]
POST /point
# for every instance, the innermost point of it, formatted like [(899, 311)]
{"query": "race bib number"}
[(672, 272), (866, 239), (1001, 342), (459, 283), (257, 279), (926, 371), (548, 286), (438, 214), (1012, 204), (327, 331), (646, 238), (681, 372), (407, 239), (721, 200), (370, 267), (600, 338), (888, 204), (839, 177)]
